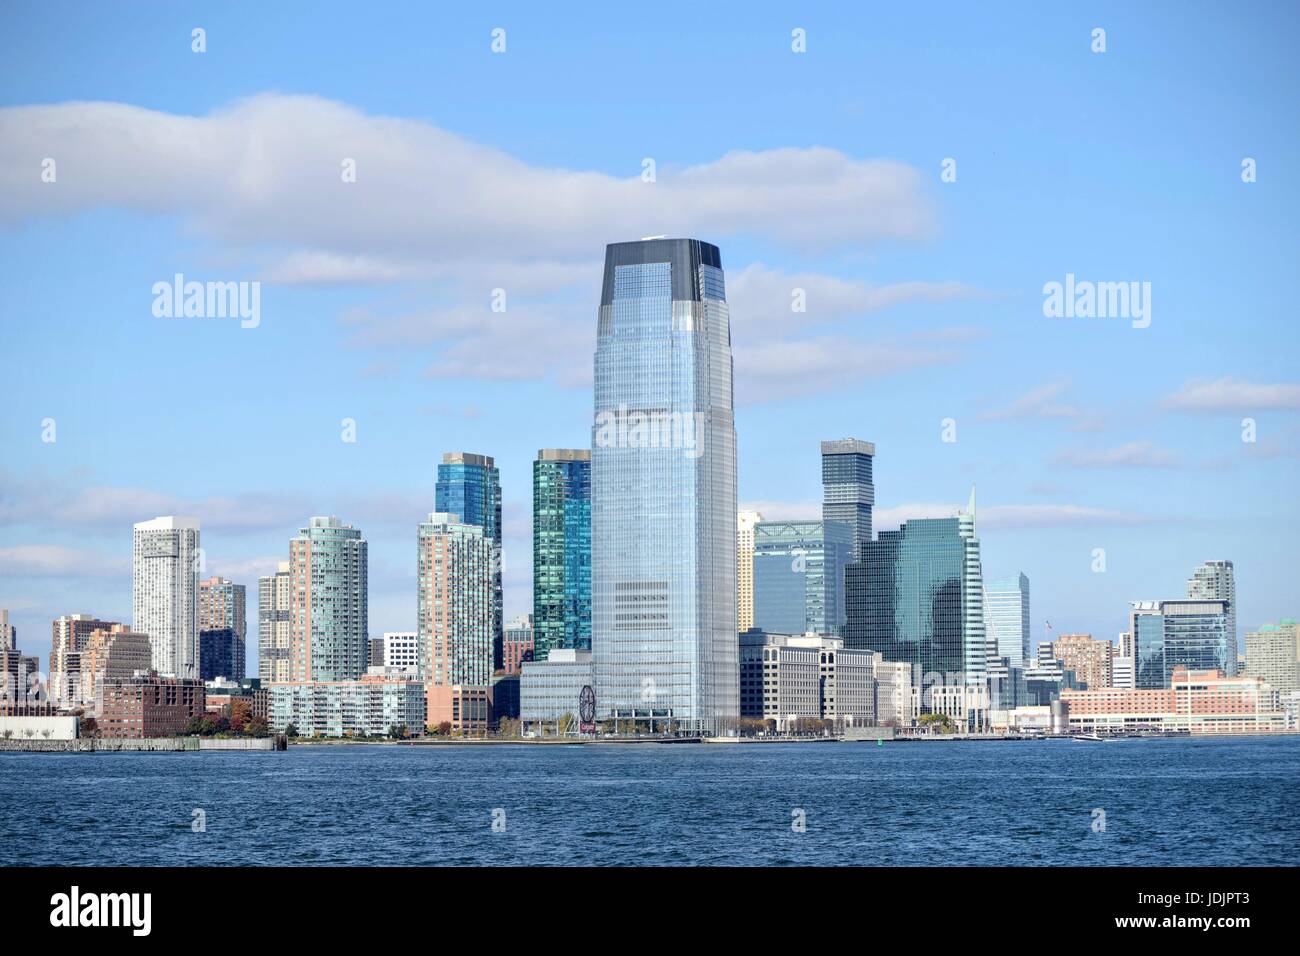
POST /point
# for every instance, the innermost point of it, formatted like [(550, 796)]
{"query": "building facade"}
[(70, 634), (561, 550), (328, 605), (663, 474), (1167, 635), (469, 486), (519, 643), (789, 678), (148, 706), (1273, 655), (1008, 612), (275, 594), (550, 689), (401, 651), (798, 576), (1089, 659), (848, 489), (221, 654), (112, 654), (745, 522), (165, 565), (1196, 702), (222, 606), (1216, 581), (455, 613), (370, 706)]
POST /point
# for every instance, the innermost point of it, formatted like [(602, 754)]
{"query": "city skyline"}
[(1081, 441)]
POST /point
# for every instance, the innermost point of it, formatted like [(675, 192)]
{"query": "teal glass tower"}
[(561, 551), (469, 486), (663, 491), (799, 576)]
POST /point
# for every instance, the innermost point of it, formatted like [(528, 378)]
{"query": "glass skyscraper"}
[(469, 486), (663, 490), (1008, 607), (561, 550), (799, 576), (1171, 634), (848, 492), (1215, 581)]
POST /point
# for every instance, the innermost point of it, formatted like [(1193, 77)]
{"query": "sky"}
[(921, 176)]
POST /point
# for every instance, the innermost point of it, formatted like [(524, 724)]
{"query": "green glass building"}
[(561, 551)]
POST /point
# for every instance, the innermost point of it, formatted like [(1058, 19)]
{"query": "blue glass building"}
[(469, 486), (663, 490), (561, 551), (1171, 634), (799, 576), (848, 491)]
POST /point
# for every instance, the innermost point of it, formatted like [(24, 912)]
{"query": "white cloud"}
[(1138, 454), (1233, 395), (47, 560)]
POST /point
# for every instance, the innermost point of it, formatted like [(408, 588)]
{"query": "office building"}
[(798, 575), (893, 693), (329, 613), (1215, 581), (791, 679), (20, 677), (745, 522), (561, 550), (1273, 655), (455, 623), (663, 472), (274, 625), (1191, 634), (165, 559), (469, 486), (401, 651), (519, 643), (1008, 613), (550, 689), (848, 491)]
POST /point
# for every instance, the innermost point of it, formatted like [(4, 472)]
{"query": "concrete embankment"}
[(155, 744)]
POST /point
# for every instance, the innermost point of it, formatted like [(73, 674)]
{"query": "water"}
[(1166, 802)]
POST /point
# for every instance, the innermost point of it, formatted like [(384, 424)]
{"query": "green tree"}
[(564, 723)]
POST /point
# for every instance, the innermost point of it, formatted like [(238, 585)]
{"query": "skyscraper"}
[(1008, 605), (561, 550), (165, 559), (1171, 634), (329, 613), (70, 636), (798, 569), (8, 633), (274, 601), (663, 474), (222, 605), (469, 486), (974, 635), (1214, 581), (1273, 654), (848, 492), (455, 565), (745, 522)]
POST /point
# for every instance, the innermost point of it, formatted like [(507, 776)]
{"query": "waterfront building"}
[(1215, 581), (1046, 677), (112, 654), (1191, 634), (246, 699), (469, 486), (745, 522), (893, 693), (148, 705), (455, 617), (561, 550), (663, 472), (918, 597), (329, 612), (1196, 702), (1121, 672), (1273, 654), (1089, 659), (366, 707), (222, 607), (165, 564), (520, 643), (787, 679), (798, 576), (505, 697), (220, 654), (550, 689), (848, 490), (70, 633), (274, 625), (1008, 613), (967, 705)]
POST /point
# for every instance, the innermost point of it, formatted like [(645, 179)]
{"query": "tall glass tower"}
[(663, 490), (1008, 606), (1214, 581), (561, 550), (848, 492), (469, 486)]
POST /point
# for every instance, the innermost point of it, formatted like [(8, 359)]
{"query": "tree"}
[(291, 730), (444, 728), (256, 727), (564, 723), (88, 727)]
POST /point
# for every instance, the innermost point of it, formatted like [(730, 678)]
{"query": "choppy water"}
[(1166, 802)]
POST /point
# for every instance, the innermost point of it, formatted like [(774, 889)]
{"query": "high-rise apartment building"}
[(1214, 581), (113, 653), (1273, 655), (848, 491), (745, 522), (1089, 659), (456, 564), (798, 569), (70, 635), (274, 609), (1008, 614), (561, 550), (1192, 634), (222, 607), (8, 633), (328, 602), (520, 643), (663, 472), (165, 565), (469, 486)]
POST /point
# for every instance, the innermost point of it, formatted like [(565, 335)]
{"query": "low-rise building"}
[(466, 707), (366, 707), (1196, 702), (893, 694), (550, 689), (788, 678), (148, 706)]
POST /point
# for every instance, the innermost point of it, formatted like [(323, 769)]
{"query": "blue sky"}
[(819, 171)]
